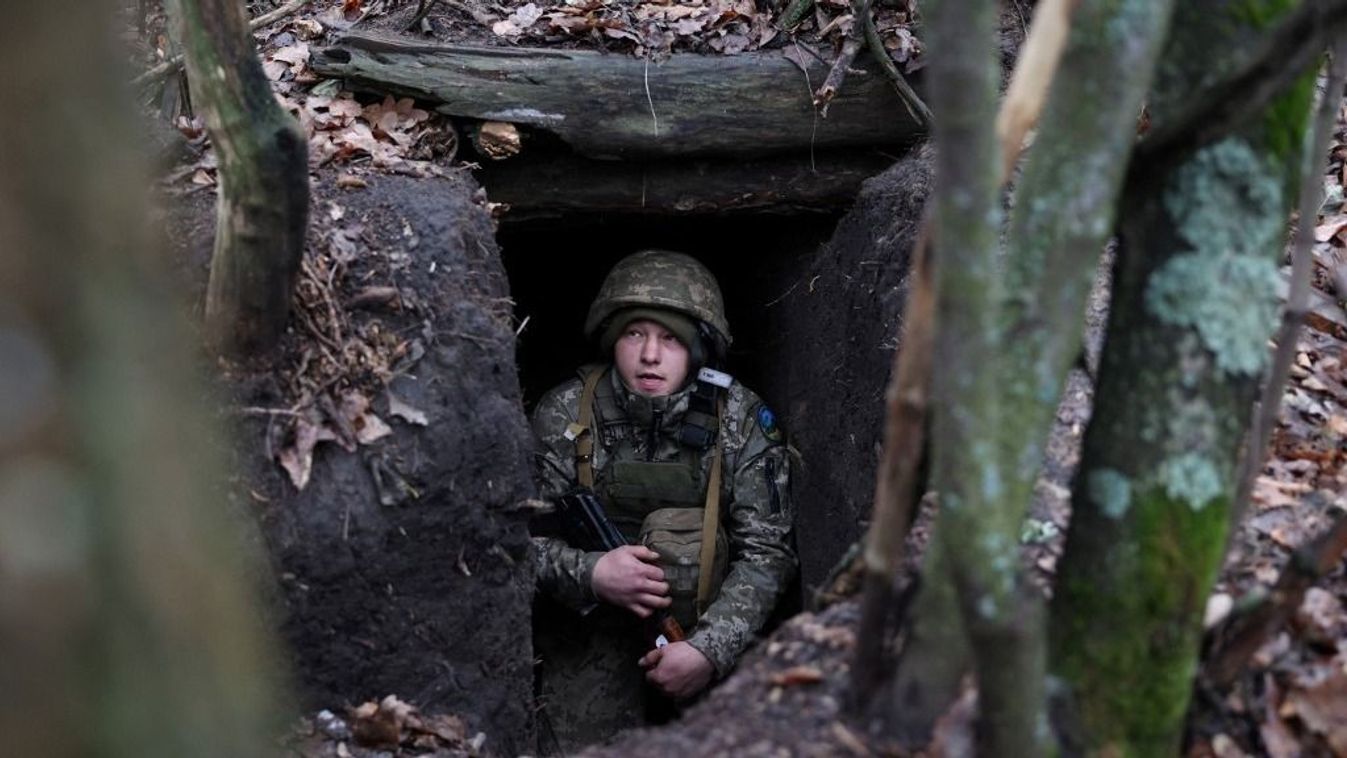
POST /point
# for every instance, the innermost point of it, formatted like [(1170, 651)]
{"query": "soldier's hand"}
[(678, 669), (629, 577)]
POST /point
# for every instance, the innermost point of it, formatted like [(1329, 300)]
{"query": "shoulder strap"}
[(710, 523), (584, 435)]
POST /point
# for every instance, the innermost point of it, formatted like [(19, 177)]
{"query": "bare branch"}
[(1032, 79), (1297, 301), (1282, 55), (916, 107), (174, 64), (896, 480), (1232, 644)]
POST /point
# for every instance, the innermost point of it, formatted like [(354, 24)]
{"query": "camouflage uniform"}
[(591, 685)]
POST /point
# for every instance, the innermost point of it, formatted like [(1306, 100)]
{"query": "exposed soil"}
[(840, 314), (403, 561)]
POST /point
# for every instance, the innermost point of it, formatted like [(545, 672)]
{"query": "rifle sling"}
[(584, 443), (710, 523)]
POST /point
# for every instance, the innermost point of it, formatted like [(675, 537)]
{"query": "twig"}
[(1234, 642), (173, 64), (916, 107), (422, 9), (860, 9), (258, 411), (896, 480), (1029, 84), (648, 98), (1297, 300)]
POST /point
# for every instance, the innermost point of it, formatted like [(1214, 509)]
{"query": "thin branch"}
[(1032, 79), (1297, 301), (896, 481), (172, 65), (916, 107), (1280, 57), (860, 9), (422, 10), (1232, 644)]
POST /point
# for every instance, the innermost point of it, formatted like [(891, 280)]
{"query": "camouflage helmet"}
[(660, 279)]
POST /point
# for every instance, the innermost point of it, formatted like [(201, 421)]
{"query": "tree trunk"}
[(1194, 304), (126, 625), (1008, 332), (264, 186), (615, 106)]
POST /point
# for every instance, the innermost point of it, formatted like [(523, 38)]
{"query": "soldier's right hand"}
[(630, 578)]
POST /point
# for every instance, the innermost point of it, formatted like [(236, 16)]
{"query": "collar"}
[(640, 410)]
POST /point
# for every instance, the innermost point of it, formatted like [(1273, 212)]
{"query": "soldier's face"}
[(650, 359)]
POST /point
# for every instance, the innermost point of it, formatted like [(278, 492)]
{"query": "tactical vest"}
[(667, 505)]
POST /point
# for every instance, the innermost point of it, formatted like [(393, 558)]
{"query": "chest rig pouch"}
[(666, 505)]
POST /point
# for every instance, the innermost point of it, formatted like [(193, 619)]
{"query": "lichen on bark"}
[(1194, 305)]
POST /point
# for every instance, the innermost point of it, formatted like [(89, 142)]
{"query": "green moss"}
[(1286, 123), (1261, 14), (1127, 630)]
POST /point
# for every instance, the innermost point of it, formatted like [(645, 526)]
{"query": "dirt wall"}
[(402, 565), (840, 318)]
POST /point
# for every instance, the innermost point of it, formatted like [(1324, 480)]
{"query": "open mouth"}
[(649, 381)]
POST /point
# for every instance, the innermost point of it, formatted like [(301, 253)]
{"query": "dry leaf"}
[(525, 16), (1323, 709), (506, 28), (398, 407), (274, 70)]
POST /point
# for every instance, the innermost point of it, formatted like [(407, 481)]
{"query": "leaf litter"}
[(1298, 695)]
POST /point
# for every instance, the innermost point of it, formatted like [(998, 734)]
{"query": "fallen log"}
[(546, 184), (615, 106)]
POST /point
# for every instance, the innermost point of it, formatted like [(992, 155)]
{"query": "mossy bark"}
[(1194, 304), (1008, 330), (264, 183), (126, 624)]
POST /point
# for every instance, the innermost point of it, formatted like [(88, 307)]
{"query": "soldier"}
[(664, 439)]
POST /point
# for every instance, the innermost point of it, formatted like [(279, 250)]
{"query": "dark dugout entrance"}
[(556, 265), (813, 299)]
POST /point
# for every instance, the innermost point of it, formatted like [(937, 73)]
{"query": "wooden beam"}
[(615, 106), (535, 184)]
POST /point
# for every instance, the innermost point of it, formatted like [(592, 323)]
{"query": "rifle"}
[(586, 526)]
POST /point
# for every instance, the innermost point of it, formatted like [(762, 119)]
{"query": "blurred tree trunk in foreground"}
[(1200, 203), (264, 178), (126, 625), (1195, 304)]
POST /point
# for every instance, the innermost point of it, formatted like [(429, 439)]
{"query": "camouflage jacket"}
[(756, 511)]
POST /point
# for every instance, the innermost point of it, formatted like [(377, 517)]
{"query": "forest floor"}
[(788, 694)]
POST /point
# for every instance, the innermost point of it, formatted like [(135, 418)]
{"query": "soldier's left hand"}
[(678, 669)]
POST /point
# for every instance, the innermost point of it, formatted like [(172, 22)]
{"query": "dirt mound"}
[(402, 561), (842, 315)]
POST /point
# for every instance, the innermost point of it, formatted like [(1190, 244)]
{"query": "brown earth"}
[(402, 563), (427, 597)]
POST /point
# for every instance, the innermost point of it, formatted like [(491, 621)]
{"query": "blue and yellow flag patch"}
[(767, 423)]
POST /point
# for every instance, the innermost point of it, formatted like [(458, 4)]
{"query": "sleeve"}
[(762, 560), (562, 572)]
